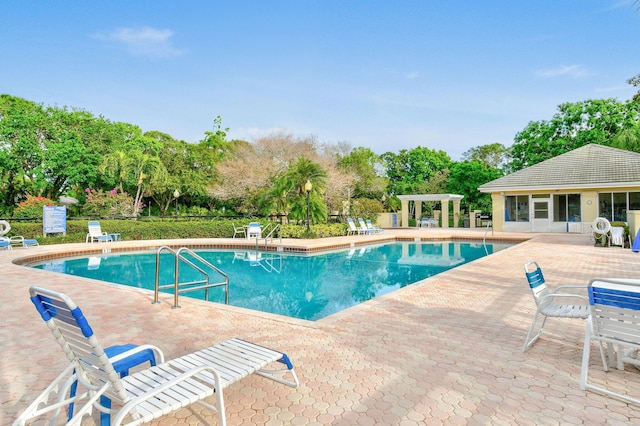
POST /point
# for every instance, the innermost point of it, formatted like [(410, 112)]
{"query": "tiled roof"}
[(590, 166)]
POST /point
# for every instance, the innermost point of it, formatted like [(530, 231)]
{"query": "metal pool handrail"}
[(179, 287)]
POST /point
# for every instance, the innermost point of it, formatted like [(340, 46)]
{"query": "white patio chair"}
[(146, 394), (254, 230), (552, 304), (617, 236), (615, 320), (240, 230)]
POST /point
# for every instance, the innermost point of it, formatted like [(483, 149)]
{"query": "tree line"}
[(116, 169)]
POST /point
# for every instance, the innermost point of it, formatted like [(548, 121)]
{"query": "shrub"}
[(32, 207), (162, 229), (108, 204), (366, 208)]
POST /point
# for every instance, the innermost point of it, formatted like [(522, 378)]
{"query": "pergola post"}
[(456, 213), (405, 213), (445, 213)]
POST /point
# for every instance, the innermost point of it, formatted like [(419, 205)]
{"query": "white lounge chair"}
[(363, 227), (5, 243), (615, 320), (20, 241), (552, 304), (96, 234), (374, 229), (353, 229), (146, 394)]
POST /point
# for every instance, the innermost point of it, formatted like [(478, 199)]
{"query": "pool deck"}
[(446, 350)]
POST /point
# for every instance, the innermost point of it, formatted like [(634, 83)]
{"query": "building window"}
[(516, 208), (614, 205), (566, 208)]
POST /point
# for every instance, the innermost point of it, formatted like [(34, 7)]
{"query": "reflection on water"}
[(306, 287)]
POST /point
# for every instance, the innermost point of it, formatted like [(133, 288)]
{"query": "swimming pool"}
[(308, 287)]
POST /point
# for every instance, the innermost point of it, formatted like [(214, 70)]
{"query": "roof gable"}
[(588, 166)]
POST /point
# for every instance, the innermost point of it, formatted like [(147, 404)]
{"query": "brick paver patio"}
[(443, 351)]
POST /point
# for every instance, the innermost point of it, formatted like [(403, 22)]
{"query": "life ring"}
[(601, 225), (4, 227)]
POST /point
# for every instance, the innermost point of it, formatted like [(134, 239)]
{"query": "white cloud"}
[(253, 133), (145, 41), (563, 71), (411, 75)]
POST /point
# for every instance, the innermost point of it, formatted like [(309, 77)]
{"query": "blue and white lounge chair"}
[(614, 320), (146, 394), (96, 234), (373, 228), (20, 241), (363, 227), (353, 229), (552, 304), (5, 243)]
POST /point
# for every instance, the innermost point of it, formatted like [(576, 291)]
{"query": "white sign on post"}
[(54, 220)]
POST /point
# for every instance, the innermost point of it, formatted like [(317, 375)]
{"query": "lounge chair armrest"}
[(571, 287), (552, 296), (156, 351)]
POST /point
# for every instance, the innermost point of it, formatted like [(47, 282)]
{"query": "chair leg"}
[(586, 350), (529, 341)]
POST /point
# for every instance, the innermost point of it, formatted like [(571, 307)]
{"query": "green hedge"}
[(156, 229)]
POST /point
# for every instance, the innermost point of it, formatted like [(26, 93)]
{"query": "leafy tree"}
[(135, 169), (493, 155), (215, 140), (147, 170), (116, 165), (465, 177), (366, 165), (366, 208), (628, 139), (635, 82), (20, 147), (573, 126), (245, 178), (410, 170)]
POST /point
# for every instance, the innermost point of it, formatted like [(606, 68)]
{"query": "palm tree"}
[(147, 170), (292, 183), (115, 165)]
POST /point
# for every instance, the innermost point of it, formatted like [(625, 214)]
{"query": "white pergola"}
[(444, 199)]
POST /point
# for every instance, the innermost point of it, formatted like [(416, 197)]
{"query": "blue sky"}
[(388, 75)]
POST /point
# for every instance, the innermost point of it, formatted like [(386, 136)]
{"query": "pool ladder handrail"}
[(484, 239), (190, 286), (269, 235)]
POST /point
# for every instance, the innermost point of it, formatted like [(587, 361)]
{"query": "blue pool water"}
[(307, 287)]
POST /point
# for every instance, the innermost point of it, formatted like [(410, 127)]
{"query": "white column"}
[(445, 213), (405, 213)]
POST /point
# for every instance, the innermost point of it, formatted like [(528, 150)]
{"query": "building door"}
[(541, 221)]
